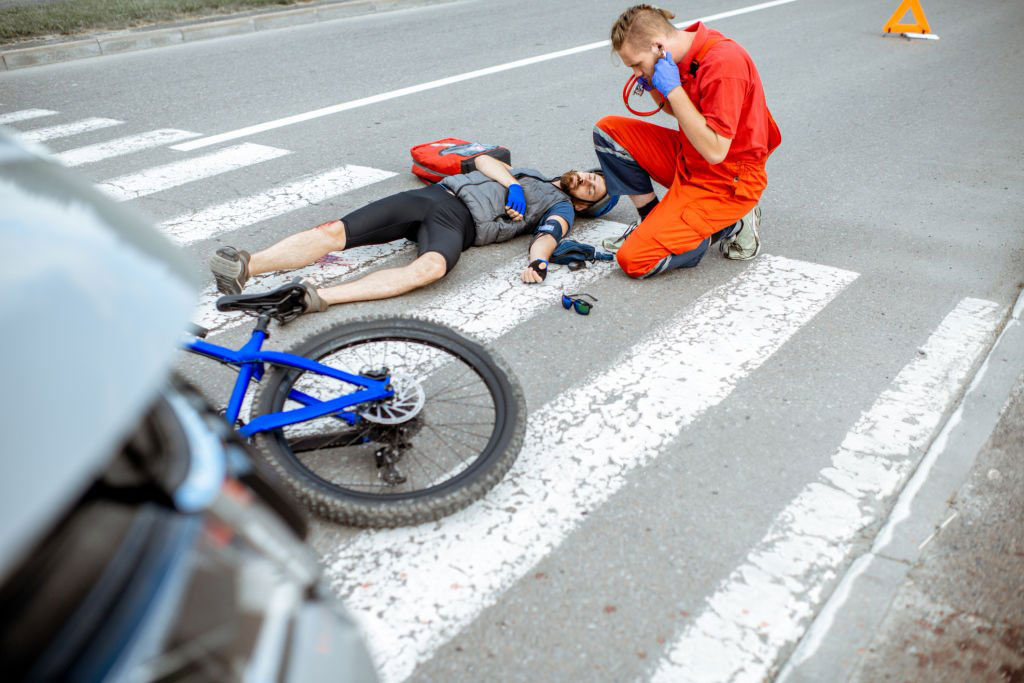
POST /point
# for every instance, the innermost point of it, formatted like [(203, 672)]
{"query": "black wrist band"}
[(535, 265)]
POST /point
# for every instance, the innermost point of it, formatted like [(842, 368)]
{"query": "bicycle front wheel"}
[(452, 430)]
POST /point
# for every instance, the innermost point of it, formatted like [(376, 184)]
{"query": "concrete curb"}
[(130, 41), (833, 646)]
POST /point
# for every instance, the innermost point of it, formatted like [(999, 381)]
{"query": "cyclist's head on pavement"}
[(639, 35), (585, 188)]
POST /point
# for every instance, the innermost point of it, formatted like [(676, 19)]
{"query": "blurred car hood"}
[(92, 304)]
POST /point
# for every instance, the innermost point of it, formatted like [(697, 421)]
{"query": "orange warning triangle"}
[(914, 7)]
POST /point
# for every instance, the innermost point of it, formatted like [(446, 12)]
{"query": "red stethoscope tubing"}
[(630, 85)]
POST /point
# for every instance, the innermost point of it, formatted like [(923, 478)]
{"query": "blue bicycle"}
[(376, 422)]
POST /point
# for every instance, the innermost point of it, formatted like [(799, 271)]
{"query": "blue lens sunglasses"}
[(576, 301)]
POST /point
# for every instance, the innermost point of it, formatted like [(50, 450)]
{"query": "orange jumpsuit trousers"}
[(702, 204)]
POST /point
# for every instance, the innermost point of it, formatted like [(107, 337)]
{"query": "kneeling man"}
[(714, 163)]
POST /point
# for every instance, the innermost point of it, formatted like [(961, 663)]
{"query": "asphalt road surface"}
[(709, 450)]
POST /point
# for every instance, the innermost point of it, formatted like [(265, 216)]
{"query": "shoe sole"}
[(757, 241), (314, 304), (612, 244), (225, 274)]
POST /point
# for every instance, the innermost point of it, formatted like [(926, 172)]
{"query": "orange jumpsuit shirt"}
[(702, 198)]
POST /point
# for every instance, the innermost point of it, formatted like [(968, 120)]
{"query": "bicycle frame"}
[(251, 359)]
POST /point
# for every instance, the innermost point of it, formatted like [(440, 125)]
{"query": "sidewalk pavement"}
[(940, 595), (95, 45), (959, 614)]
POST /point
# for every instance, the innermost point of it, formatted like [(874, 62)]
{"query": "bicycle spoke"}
[(466, 431), (460, 388), (446, 474), (458, 399), (467, 424), (448, 407), (457, 377), (462, 460), (447, 442)]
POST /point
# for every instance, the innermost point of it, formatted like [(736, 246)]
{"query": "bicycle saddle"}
[(282, 304)]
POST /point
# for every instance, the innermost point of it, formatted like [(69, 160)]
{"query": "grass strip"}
[(66, 17)]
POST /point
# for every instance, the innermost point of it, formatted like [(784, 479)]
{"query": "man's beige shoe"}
[(745, 243), (230, 268), (311, 299), (613, 244)]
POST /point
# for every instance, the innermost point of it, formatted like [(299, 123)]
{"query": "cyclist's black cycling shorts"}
[(429, 216)]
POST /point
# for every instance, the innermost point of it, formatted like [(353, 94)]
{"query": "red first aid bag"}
[(432, 162)]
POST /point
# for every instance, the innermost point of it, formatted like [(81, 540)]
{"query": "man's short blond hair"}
[(640, 23)]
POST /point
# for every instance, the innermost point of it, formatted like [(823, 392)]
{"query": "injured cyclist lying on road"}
[(492, 204)]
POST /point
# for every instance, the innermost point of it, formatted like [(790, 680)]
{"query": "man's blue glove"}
[(644, 84), (666, 74), (515, 199)]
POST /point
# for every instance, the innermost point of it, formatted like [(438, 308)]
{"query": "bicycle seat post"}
[(262, 323)]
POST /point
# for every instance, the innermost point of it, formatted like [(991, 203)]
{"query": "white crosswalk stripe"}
[(185, 171), (348, 264), (497, 301), (494, 304), (297, 194), (765, 603), (438, 578), (486, 307), (68, 129), (578, 451), (121, 146), (24, 115)]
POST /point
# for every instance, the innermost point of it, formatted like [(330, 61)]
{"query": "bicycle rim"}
[(452, 421)]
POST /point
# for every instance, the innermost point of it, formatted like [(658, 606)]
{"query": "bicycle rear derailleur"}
[(394, 440)]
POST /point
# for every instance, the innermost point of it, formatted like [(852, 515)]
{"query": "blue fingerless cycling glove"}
[(666, 75), (515, 199)]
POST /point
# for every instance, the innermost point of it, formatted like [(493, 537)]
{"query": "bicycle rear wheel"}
[(452, 430)]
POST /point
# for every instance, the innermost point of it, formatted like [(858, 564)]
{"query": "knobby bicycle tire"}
[(367, 509)]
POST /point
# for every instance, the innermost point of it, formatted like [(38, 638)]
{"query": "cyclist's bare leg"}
[(300, 249), (383, 284)]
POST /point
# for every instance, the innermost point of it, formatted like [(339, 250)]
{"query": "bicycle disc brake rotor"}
[(406, 404)]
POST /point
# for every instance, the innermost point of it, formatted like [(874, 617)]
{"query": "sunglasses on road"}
[(577, 301)]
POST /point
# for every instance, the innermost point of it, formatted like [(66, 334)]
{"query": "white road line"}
[(347, 264), (237, 213), (767, 602), (416, 588), (24, 115), (68, 129), (487, 307), (122, 146), (413, 89), (497, 301), (185, 171)]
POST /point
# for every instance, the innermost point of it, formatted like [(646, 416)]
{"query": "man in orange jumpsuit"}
[(713, 165)]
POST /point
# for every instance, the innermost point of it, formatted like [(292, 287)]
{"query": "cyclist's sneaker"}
[(230, 268), (312, 301), (613, 244), (745, 243)]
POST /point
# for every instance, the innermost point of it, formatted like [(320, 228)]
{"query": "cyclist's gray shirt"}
[(485, 199)]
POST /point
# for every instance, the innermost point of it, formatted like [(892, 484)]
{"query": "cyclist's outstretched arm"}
[(553, 227)]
